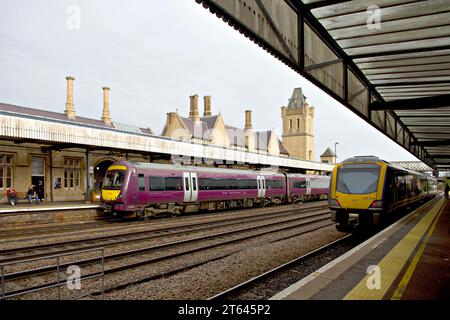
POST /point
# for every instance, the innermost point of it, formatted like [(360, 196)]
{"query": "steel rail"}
[(230, 221), (132, 253), (242, 286)]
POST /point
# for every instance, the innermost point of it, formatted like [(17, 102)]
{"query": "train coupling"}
[(353, 220)]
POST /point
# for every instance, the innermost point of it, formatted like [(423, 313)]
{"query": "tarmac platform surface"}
[(408, 260)]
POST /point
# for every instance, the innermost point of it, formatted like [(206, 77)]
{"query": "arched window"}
[(290, 124), (298, 124)]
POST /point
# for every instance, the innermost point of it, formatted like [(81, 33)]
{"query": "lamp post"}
[(335, 152)]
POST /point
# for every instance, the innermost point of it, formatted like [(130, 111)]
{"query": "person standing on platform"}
[(40, 190), (446, 190), (11, 194)]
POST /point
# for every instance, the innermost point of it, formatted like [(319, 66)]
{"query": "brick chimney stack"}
[(207, 106), (193, 113), (248, 119), (106, 117), (70, 109), (248, 131)]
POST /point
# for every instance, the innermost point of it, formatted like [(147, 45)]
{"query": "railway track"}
[(267, 284), (126, 260), (18, 253), (53, 231), (272, 281)]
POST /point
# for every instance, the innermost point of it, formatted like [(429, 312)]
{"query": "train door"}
[(308, 186), (194, 184), (190, 187), (187, 187), (261, 183)]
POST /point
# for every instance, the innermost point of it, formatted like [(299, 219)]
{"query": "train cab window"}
[(358, 178), (156, 183), (114, 180), (173, 183), (141, 182)]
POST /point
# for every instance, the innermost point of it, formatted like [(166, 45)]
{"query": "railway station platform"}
[(409, 260), (24, 213), (45, 206)]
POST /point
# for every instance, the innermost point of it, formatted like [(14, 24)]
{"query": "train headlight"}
[(334, 203), (377, 204)]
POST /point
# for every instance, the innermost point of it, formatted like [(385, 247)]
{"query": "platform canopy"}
[(386, 60)]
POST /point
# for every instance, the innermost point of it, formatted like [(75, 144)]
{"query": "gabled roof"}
[(236, 136), (13, 109), (262, 139), (328, 153), (209, 121), (198, 130), (282, 148)]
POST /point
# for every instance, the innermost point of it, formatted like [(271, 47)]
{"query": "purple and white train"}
[(147, 189)]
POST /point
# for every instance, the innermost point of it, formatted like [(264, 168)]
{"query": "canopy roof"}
[(386, 60)]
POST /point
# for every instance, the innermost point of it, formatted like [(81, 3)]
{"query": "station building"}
[(212, 129), (60, 169), (70, 154)]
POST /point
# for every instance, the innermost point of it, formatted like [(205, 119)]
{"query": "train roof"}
[(357, 159), (178, 167), (302, 175)]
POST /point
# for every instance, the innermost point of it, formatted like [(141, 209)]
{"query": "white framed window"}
[(6, 171), (72, 173)]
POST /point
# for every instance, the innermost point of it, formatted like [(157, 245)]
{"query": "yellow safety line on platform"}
[(392, 264), (409, 272)]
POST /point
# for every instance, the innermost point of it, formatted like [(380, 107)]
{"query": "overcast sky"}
[(153, 55)]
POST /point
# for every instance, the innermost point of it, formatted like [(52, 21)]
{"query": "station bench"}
[(21, 198)]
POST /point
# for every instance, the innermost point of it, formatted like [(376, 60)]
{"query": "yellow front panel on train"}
[(356, 201), (110, 195), (117, 167)]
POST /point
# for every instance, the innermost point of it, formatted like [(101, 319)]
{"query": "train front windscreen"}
[(112, 185), (358, 178), (114, 179)]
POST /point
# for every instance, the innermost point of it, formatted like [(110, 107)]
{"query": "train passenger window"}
[(274, 184), (186, 183), (229, 184), (173, 183), (141, 182), (156, 183), (300, 184), (243, 184), (194, 184), (205, 184)]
